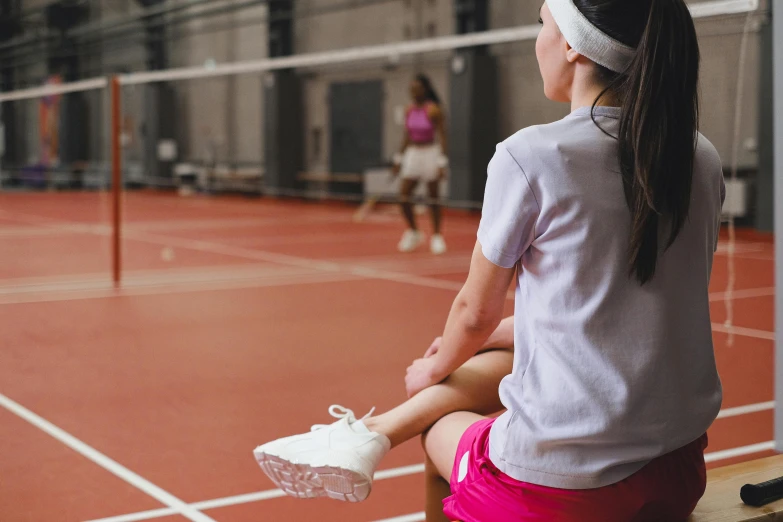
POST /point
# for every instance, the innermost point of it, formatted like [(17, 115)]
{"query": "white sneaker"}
[(410, 241), (438, 245), (336, 461)]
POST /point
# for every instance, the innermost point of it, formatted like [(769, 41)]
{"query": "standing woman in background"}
[(422, 159)]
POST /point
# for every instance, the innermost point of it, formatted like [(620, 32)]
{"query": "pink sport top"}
[(420, 127)]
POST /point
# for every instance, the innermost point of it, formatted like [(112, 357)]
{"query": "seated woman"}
[(608, 220)]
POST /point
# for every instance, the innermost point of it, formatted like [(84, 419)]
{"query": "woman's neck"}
[(585, 92)]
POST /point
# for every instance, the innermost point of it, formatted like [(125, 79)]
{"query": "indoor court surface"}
[(242, 320)]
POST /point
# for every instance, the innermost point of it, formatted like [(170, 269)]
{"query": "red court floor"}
[(242, 320)]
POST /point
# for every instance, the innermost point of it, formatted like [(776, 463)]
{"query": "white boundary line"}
[(742, 248), (413, 517), (35, 231), (749, 293), (247, 498), (744, 410), (739, 452), (141, 515), (106, 291), (745, 332), (213, 277), (176, 505)]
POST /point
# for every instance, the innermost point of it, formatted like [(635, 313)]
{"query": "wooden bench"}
[(721, 502)]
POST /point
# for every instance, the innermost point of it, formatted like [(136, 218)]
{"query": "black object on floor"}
[(761, 494)]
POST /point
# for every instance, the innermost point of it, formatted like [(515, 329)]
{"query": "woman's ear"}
[(571, 55)]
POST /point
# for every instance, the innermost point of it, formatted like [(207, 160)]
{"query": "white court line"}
[(43, 229), (745, 332), (744, 410), (742, 248), (739, 452), (181, 288), (189, 280), (172, 281), (176, 505), (399, 472), (173, 278), (141, 515), (247, 498), (750, 293), (206, 224), (421, 266), (414, 517)]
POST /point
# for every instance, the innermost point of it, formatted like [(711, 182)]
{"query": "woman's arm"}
[(439, 120), (503, 336), (475, 315), (406, 140), (501, 339)]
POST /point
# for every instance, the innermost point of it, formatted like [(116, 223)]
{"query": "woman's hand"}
[(396, 169), (420, 376), (434, 347)]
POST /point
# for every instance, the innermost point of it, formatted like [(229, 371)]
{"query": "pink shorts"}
[(667, 489)]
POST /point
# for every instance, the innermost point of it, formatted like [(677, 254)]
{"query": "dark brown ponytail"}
[(659, 122)]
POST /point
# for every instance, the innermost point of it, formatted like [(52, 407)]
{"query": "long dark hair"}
[(659, 119), (430, 94)]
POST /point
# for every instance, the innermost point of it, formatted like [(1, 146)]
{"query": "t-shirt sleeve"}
[(510, 211)]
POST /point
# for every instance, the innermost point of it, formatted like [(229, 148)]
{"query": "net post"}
[(116, 179)]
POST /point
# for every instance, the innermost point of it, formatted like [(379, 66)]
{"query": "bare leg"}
[(472, 388), (442, 440), (440, 443), (408, 186), (433, 191), (437, 489)]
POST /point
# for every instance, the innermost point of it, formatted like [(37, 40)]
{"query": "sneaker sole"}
[(411, 249), (305, 481)]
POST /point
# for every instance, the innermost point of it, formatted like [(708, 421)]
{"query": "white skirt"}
[(421, 163)]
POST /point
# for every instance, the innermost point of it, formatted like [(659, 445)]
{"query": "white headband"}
[(587, 39)]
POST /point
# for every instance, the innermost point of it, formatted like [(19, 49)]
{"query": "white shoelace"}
[(341, 412)]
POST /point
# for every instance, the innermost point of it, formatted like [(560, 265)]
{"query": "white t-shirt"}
[(608, 374)]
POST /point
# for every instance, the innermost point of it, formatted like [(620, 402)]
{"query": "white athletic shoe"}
[(410, 241), (336, 461), (438, 245)]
